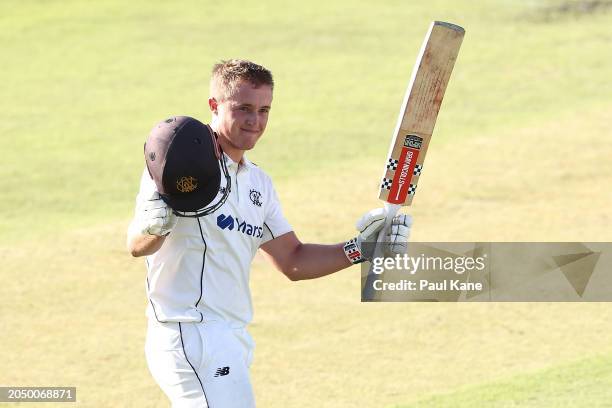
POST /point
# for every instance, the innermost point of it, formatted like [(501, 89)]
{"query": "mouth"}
[(250, 131)]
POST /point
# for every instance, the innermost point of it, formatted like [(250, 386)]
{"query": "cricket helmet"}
[(186, 163)]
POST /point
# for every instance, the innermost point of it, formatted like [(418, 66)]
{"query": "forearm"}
[(142, 245), (310, 261)]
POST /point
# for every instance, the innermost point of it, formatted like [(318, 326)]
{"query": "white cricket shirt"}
[(202, 270)]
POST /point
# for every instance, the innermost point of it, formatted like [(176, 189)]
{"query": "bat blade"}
[(415, 126), (419, 111)]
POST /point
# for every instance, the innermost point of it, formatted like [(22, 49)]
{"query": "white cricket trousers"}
[(201, 364)]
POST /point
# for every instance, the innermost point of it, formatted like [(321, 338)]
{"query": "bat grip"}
[(392, 210)]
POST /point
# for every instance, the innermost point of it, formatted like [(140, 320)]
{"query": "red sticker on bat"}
[(405, 169)]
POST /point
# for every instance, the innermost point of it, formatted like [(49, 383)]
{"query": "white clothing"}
[(198, 349), (201, 272)]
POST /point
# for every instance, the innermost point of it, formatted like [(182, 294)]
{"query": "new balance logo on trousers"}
[(222, 371)]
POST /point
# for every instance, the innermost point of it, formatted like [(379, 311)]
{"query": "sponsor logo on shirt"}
[(229, 222)]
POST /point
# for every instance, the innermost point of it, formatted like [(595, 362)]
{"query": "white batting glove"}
[(395, 241), (154, 217)]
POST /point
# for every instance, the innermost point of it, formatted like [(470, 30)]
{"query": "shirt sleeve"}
[(147, 187), (146, 190), (275, 223)]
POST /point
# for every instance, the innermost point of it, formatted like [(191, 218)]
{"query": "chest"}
[(237, 224)]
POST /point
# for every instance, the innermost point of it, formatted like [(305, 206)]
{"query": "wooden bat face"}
[(419, 111)]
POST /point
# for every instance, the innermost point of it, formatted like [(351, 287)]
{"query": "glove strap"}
[(352, 252)]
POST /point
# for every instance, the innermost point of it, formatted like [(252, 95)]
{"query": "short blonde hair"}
[(226, 76)]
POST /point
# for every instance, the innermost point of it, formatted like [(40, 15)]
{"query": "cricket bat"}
[(415, 124)]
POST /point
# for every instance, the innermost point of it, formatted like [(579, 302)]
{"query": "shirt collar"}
[(244, 165)]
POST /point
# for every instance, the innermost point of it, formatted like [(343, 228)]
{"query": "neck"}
[(234, 153)]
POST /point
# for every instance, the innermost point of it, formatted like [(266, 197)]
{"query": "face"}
[(241, 119)]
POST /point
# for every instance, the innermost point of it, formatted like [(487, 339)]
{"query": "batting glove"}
[(154, 217), (395, 240)]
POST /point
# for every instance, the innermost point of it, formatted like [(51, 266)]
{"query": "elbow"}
[(293, 278), (292, 273), (291, 268), (144, 248), (288, 260), (133, 249)]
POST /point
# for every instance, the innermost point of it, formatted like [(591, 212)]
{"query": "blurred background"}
[(521, 152)]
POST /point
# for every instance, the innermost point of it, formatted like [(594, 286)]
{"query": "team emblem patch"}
[(255, 197), (186, 184)]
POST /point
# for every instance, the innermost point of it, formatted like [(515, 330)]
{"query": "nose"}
[(251, 119)]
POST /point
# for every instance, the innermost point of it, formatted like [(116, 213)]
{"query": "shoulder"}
[(262, 189), (260, 177)]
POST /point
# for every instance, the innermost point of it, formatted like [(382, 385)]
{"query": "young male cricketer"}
[(198, 349)]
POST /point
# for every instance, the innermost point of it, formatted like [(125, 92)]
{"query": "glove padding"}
[(154, 216), (396, 237)]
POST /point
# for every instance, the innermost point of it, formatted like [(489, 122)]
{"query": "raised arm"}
[(299, 261)]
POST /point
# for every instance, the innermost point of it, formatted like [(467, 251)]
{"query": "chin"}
[(250, 142), (249, 146)]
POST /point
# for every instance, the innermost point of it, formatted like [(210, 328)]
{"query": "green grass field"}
[(521, 152)]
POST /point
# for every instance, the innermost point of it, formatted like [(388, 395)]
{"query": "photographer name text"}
[(426, 285)]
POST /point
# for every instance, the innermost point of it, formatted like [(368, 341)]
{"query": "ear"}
[(213, 105)]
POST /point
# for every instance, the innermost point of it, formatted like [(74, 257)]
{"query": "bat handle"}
[(368, 291), (392, 210)]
